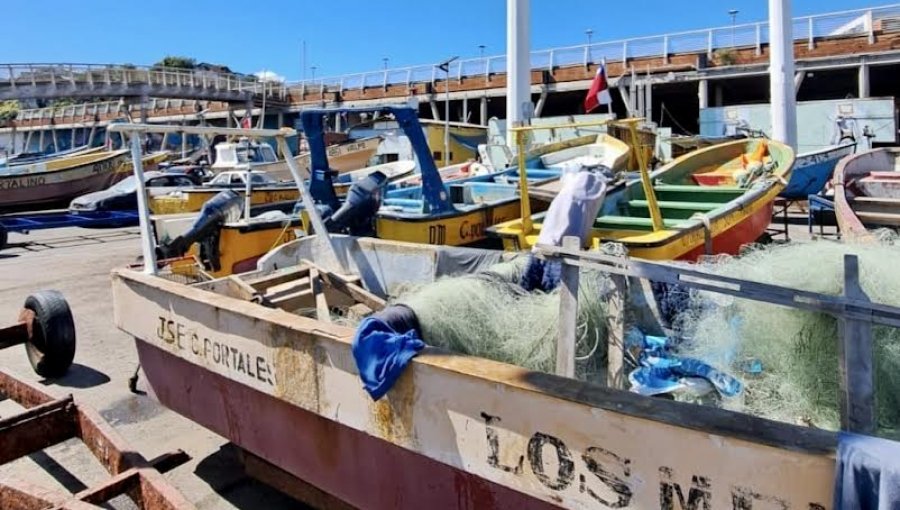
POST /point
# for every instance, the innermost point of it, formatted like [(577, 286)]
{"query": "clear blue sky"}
[(341, 36)]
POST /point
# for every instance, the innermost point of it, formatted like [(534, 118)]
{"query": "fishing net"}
[(490, 316), (787, 358)]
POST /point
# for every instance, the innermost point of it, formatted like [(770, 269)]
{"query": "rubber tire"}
[(4, 237), (52, 346)]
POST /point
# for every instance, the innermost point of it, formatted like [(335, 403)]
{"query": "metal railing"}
[(85, 110), (96, 76), (853, 23)]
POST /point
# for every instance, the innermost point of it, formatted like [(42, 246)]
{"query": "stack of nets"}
[(797, 350), (490, 316)]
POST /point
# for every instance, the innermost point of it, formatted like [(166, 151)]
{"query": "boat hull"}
[(812, 172), (455, 431), (455, 230), (341, 158), (60, 186), (859, 208)]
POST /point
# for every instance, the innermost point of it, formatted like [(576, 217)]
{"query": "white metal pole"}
[(447, 117), (518, 65), (143, 210), (781, 72)]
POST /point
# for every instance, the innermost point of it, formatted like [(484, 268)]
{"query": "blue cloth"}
[(540, 274), (867, 475), (663, 372), (382, 347)]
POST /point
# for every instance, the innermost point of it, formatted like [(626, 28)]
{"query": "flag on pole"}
[(599, 91)]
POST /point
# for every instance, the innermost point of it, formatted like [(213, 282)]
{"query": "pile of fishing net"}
[(787, 359), (489, 315)]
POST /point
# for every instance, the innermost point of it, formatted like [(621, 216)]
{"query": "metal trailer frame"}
[(25, 223), (47, 421)]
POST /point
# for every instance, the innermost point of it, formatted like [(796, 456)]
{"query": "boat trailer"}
[(26, 222), (46, 329)]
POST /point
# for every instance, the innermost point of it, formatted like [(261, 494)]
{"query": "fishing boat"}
[(24, 158), (60, 180), (867, 192), (345, 157), (606, 152), (713, 200), (463, 139), (455, 431)]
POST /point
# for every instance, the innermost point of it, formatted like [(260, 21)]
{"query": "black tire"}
[(4, 237), (52, 345)]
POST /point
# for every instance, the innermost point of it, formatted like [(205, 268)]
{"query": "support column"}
[(230, 122), (798, 81), (648, 101), (639, 93), (781, 72), (53, 137), (703, 93), (144, 114), (720, 101), (540, 104), (864, 91), (27, 140), (484, 112), (337, 122), (12, 135), (465, 111), (435, 113), (41, 140), (72, 145), (518, 65), (280, 120)]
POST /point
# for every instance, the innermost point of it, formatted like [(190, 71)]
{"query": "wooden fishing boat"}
[(455, 431), (60, 180), (699, 206), (343, 157), (867, 192), (607, 152)]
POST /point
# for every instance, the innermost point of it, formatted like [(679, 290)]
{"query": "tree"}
[(177, 62), (8, 110)]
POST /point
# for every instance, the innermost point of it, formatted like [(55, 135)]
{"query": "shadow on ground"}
[(80, 377), (224, 473)]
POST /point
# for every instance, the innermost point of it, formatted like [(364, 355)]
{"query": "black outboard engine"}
[(357, 212), (205, 229)]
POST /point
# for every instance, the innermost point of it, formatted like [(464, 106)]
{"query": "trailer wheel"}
[(4, 237), (51, 348)]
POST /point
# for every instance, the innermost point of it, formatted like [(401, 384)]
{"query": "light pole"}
[(481, 48), (385, 62), (590, 34), (313, 69), (445, 66), (733, 13)]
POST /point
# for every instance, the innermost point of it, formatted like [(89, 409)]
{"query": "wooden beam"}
[(568, 314), (857, 401), (261, 283), (322, 311), (615, 333)]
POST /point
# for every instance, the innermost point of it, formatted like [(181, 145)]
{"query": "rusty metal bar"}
[(36, 428), (13, 335), (22, 393)]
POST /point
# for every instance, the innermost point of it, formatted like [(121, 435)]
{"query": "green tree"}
[(8, 110), (176, 61)]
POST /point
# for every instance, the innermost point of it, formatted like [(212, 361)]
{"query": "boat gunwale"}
[(98, 157), (848, 222), (704, 419)]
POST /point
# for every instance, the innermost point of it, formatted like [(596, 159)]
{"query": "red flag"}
[(245, 123), (599, 91)]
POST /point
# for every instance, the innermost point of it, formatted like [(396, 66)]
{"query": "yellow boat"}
[(708, 201)]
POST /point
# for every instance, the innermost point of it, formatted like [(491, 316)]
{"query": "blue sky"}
[(341, 36)]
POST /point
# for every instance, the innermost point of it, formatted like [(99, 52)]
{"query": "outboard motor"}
[(356, 213), (221, 208)]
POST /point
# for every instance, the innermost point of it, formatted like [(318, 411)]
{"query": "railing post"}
[(487, 70), (550, 61), (811, 44), (855, 351), (758, 39), (624, 53), (709, 43), (587, 55), (385, 79), (340, 86), (408, 77), (12, 77), (665, 49), (870, 26), (568, 312), (433, 71), (107, 75), (459, 65)]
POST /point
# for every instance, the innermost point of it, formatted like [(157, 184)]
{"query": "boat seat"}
[(631, 223), (684, 206), (876, 200), (879, 218), (687, 193)]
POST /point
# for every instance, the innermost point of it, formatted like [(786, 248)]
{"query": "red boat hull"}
[(341, 461), (732, 240)]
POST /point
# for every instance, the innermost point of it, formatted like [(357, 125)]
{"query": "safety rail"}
[(852, 23), (96, 76), (105, 107)]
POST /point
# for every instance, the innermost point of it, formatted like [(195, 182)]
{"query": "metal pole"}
[(143, 210), (518, 67), (447, 116), (781, 73)]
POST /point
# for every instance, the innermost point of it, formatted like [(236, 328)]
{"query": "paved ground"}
[(77, 263)]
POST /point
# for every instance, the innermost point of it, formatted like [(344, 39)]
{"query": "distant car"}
[(238, 178), (123, 196), (197, 173)]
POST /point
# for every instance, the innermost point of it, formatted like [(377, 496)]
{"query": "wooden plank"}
[(295, 300), (349, 285), (261, 283), (568, 314), (239, 288), (322, 311), (615, 336), (837, 306), (857, 401)]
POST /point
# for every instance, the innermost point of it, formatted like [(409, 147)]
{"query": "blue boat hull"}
[(812, 171)]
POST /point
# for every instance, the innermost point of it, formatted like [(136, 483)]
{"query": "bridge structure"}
[(854, 52)]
